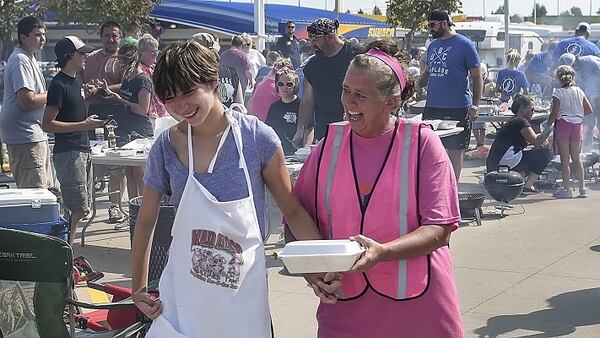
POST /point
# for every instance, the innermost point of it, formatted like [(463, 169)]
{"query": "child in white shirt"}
[(569, 106)]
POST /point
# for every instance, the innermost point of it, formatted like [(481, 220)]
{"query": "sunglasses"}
[(287, 84), (292, 27), (433, 24)]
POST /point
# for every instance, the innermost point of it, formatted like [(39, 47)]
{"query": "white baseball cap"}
[(583, 26)]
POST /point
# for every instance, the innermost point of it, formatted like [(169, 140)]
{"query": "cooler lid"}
[(26, 196)]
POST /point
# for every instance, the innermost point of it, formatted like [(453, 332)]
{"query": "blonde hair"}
[(513, 57), (566, 75), (146, 41), (387, 82)]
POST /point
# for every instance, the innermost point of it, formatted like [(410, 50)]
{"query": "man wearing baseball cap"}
[(323, 76), (450, 58), (578, 45), (587, 72), (66, 117)]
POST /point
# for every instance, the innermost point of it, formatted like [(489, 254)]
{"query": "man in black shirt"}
[(66, 117), (323, 77), (288, 45)]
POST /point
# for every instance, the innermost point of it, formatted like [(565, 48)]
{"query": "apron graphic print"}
[(216, 259)]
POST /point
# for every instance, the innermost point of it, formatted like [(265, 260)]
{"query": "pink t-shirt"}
[(264, 96), (434, 314)]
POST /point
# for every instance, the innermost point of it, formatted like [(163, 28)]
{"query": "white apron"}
[(214, 284)]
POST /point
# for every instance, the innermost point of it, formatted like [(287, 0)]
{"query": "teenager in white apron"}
[(215, 283)]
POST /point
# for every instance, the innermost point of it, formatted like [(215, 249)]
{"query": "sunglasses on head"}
[(287, 84)]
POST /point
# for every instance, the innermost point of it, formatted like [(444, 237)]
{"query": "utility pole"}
[(534, 12), (506, 32), (259, 23), (483, 2)]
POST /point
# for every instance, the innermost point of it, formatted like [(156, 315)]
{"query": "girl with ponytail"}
[(511, 81), (569, 106)]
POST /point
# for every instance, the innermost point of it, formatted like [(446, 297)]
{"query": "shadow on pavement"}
[(569, 311), (111, 260)]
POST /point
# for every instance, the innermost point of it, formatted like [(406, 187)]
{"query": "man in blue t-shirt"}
[(577, 45), (538, 72), (449, 60), (587, 72)]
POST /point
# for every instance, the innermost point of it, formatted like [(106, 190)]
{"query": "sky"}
[(470, 7)]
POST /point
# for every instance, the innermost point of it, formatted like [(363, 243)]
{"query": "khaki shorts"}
[(30, 164), (73, 173)]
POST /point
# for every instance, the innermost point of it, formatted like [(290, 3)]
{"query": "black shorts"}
[(459, 141), (534, 161)]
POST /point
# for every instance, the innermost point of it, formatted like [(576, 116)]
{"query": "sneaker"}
[(114, 214), (563, 193), (583, 193)]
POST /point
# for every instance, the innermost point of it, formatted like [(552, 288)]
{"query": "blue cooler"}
[(34, 210)]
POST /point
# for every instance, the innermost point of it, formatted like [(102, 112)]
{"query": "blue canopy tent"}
[(237, 17)]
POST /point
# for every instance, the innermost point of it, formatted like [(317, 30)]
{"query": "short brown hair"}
[(27, 25), (182, 66)]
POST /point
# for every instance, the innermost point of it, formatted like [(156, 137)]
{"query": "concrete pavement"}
[(534, 274)]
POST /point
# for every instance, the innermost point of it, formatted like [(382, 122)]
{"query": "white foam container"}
[(447, 125), (320, 255), (302, 154)]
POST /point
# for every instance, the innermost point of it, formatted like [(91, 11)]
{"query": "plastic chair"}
[(36, 286)]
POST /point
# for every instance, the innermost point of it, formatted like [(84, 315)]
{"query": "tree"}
[(347, 11), (411, 14), (11, 11), (499, 10), (360, 11), (87, 11), (376, 10), (565, 13), (540, 11), (576, 11)]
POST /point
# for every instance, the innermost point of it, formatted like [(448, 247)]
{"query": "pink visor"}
[(392, 63)]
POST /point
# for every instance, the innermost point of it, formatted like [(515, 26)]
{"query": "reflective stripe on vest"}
[(340, 215), (403, 208), (335, 151)]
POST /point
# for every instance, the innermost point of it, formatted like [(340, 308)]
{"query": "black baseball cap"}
[(70, 44), (439, 15)]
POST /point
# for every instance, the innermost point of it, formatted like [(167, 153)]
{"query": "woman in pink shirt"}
[(388, 184), (265, 92)]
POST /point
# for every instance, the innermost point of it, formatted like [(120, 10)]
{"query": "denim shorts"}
[(73, 173)]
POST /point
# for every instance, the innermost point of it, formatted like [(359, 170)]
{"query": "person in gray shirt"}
[(23, 108)]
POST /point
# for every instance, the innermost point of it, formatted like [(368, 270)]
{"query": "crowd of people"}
[(216, 162)]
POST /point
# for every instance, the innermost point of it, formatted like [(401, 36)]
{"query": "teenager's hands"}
[(109, 94), (150, 307), (326, 286), (92, 122)]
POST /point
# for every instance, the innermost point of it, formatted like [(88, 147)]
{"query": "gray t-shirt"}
[(166, 174), (16, 125)]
